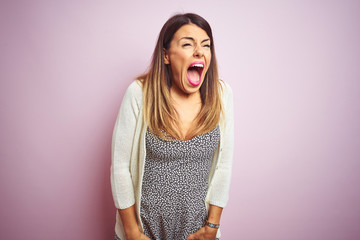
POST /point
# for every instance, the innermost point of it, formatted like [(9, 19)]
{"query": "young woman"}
[(173, 140)]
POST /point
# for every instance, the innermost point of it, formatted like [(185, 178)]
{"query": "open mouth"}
[(194, 73)]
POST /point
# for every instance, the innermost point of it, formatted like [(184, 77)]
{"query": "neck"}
[(181, 97)]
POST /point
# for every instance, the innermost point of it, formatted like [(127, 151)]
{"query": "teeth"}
[(198, 65)]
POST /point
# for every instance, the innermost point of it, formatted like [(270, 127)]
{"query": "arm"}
[(207, 232), (123, 134), (128, 218), (122, 145), (220, 183), (214, 216)]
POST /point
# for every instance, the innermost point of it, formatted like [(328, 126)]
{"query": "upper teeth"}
[(198, 65)]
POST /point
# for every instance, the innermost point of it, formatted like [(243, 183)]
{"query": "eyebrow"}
[(192, 39)]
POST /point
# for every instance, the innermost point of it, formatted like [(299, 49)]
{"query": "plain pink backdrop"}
[(294, 69)]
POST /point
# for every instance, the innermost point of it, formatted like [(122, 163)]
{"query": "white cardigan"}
[(129, 151)]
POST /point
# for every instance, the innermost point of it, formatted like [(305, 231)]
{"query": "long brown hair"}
[(159, 112)]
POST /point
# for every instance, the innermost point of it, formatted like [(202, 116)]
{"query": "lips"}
[(194, 73)]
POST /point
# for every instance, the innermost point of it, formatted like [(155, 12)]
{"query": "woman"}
[(173, 140)]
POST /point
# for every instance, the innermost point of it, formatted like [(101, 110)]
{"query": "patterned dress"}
[(175, 184)]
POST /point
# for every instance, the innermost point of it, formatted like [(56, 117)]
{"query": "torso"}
[(175, 184)]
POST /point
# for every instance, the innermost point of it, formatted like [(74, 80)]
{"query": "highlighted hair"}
[(159, 112)]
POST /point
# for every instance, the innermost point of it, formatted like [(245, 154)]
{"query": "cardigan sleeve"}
[(221, 180), (122, 143)]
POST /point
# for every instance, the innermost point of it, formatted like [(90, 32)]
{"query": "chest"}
[(201, 147), (187, 114)]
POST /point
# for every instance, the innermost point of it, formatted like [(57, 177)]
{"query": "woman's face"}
[(189, 58)]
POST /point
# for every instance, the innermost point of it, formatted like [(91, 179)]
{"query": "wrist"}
[(133, 233), (212, 225), (210, 230)]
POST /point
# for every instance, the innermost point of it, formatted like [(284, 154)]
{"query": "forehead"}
[(191, 30)]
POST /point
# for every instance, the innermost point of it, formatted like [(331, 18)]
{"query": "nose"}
[(198, 51)]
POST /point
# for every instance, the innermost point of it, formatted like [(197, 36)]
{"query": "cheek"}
[(176, 68), (177, 64), (179, 56), (208, 56), (209, 60)]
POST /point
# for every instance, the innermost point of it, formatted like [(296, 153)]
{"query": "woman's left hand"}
[(204, 233)]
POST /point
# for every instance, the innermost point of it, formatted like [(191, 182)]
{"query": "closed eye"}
[(207, 45), (186, 44)]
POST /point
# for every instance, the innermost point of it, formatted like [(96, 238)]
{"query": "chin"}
[(192, 89)]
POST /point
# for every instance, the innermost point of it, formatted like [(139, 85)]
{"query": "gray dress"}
[(175, 184)]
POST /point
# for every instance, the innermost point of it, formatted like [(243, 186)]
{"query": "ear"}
[(166, 56)]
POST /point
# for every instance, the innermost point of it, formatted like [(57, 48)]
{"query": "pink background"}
[(294, 69)]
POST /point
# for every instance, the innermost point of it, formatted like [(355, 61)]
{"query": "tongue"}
[(193, 76)]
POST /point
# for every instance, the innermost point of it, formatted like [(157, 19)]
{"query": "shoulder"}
[(133, 96), (135, 89)]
